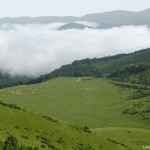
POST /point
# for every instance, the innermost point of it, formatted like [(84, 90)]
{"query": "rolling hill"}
[(90, 104), (82, 101), (105, 20), (36, 130), (98, 67), (73, 26), (114, 118), (101, 101)]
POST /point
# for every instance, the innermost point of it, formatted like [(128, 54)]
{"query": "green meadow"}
[(81, 104), (35, 130), (82, 101)]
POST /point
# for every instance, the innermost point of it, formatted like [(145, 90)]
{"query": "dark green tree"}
[(11, 143), (145, 80)]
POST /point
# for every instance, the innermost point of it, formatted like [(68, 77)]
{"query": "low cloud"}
[(33, 50)]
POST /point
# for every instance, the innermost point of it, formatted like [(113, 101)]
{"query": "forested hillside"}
[(7, 80), (110, 66), (100, 67)]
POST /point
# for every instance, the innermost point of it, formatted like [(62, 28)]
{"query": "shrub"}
[(86, 129), (49, 118), (14, 106), (11, 143)]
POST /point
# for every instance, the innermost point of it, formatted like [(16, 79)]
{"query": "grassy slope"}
[(133, 139), (31, 129), (89, 102)]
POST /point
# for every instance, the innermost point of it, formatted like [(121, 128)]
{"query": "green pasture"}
[(95, 103)]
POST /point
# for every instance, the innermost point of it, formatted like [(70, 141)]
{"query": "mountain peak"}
[(145, 10), (73, 25)]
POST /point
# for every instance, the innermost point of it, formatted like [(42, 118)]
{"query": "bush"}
[(86, 129), (49, 118), (14, 106), (11, 143)]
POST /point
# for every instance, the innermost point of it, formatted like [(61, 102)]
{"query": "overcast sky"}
[(14, 8)]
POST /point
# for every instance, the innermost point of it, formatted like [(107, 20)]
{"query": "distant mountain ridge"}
[(73, 26), (105, 20)]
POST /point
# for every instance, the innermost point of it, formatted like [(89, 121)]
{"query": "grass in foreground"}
[(35, 130)]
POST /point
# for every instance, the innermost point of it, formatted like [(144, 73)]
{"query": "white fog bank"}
[(33, 50)]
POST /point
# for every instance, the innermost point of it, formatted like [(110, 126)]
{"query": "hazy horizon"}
[(74, 15), (17, 8)]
